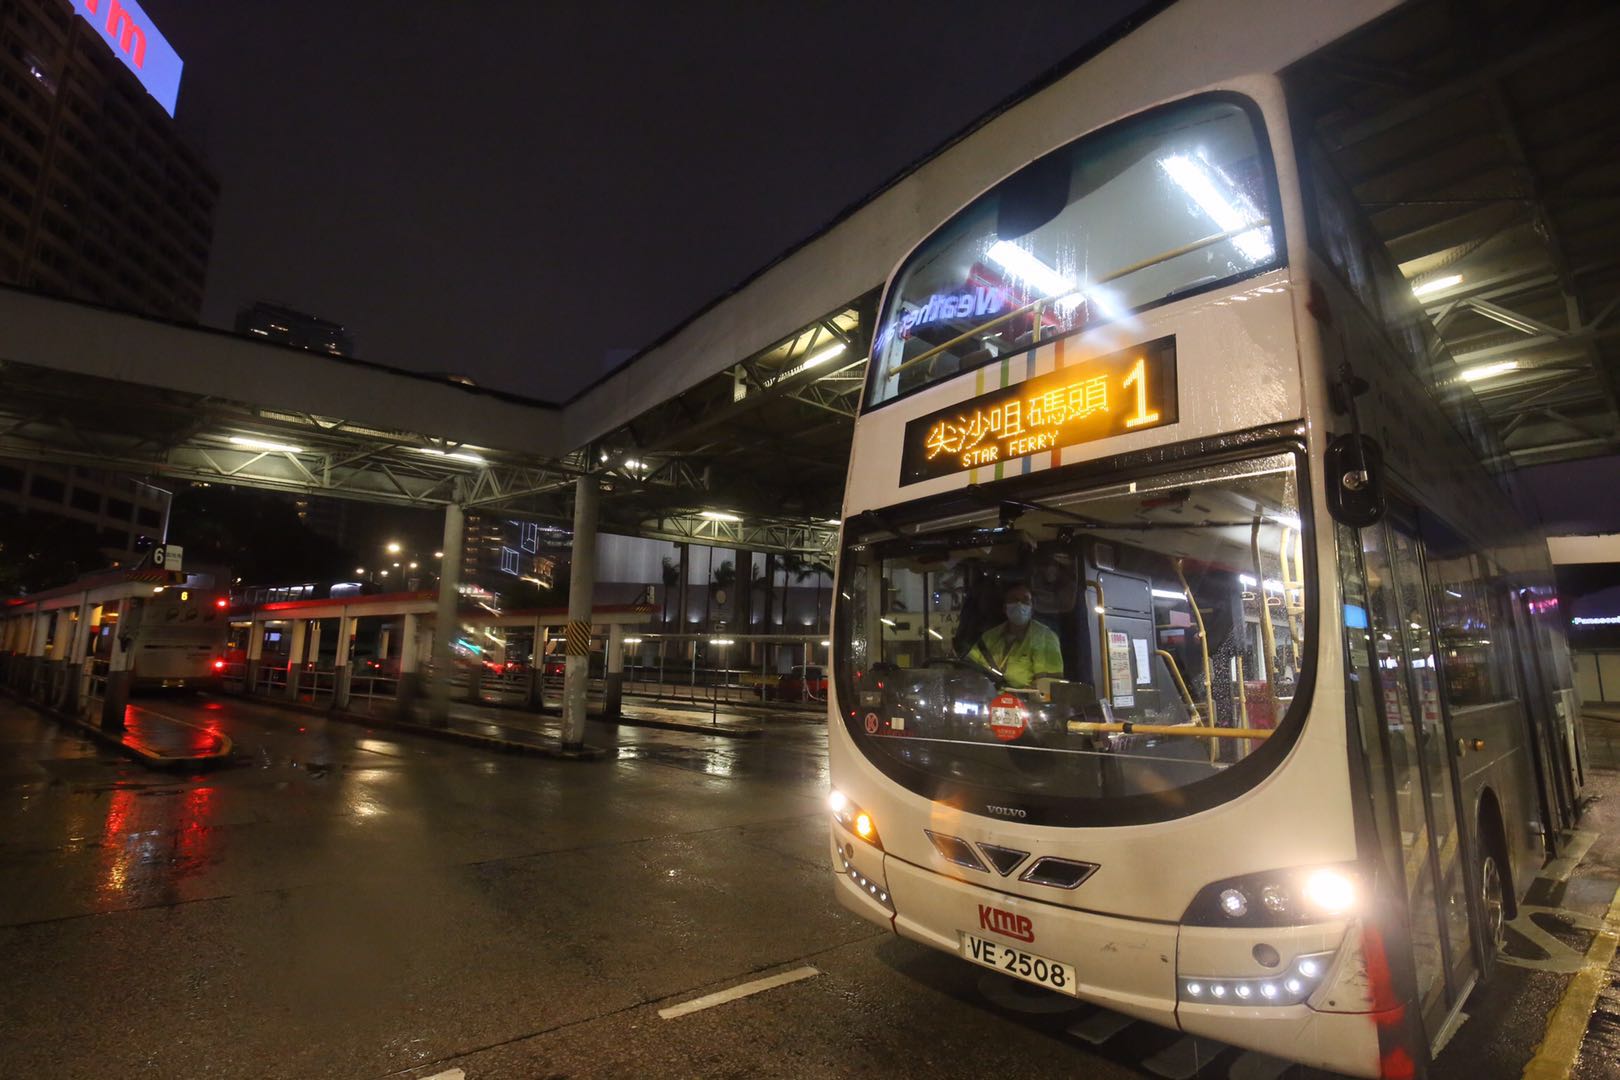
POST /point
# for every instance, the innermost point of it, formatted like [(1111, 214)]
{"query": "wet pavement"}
[(354, 902)]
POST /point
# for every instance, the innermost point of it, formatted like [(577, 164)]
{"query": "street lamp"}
[(393, 547), (359, 569)]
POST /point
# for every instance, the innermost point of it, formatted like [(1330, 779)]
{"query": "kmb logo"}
[(1006, 923)]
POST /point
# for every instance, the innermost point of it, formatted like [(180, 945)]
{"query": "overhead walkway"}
[(733, 429)]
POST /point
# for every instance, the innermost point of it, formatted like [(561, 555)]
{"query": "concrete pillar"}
[(581, 587), (314, 638), (615, 672), (255, 650), (78, 647), (342, 662), (385, 639), (120, 670), (410, 678), (295, 656), (444, 618), (537, 669)]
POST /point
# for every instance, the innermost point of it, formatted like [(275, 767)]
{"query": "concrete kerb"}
[(468, 738), (162, 762)]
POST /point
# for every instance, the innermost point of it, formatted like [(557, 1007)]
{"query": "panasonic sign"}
[(135, 41)]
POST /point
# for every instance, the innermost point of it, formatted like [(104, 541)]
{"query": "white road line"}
[(448, 1074), (720, 997)]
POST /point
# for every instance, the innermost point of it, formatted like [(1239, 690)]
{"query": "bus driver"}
[(1021, 650)]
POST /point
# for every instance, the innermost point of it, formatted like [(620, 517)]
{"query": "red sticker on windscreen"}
[(1006, 717), (872, 723)]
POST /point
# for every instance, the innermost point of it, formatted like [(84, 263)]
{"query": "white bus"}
[(1191, 656)]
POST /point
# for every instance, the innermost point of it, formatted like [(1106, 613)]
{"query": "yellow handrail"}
[(1181, 684), (1203, 643), (1184, 730), (1268, 635), (1102, 639)]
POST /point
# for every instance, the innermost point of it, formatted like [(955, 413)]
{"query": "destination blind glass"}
[(1130, 390)]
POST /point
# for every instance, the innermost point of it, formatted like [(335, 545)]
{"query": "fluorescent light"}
[(1027, 268), (721, 641), (453, 455), (824, 354), (1434, 285), (634, 465), (1231, 210), (1486, 371), (1166, 594), (263, 444), (718, 515)]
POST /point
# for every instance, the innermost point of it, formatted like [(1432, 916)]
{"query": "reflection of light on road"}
[(116, 839), (363, 793)]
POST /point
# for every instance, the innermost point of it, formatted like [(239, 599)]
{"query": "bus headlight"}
[(1289, 987), (1278, 898), (853, 818)]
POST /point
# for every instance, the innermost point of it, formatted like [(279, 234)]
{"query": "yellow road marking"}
[(225, 744), (1566, 1027)]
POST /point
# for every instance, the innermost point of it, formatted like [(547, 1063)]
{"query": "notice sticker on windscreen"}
[(1130, 390)]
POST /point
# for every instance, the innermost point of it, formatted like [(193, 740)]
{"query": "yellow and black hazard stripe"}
[(579, 637)]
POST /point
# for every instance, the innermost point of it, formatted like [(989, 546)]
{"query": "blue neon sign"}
[(136, 41)]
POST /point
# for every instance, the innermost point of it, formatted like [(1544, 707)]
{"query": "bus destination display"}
[(1130, 390)]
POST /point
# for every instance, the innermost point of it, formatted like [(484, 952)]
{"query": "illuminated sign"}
[(1102, 396), (976, 303), (135, 40)]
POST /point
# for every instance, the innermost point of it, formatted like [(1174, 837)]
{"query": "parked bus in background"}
[(1308, 731), (177, 638)]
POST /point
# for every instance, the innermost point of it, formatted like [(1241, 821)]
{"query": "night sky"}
[(517, 191)]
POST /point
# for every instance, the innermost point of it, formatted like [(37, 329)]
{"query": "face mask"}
[(1018, 613)]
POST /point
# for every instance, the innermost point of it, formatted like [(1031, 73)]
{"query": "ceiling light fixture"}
[(1434, 285), (250, 443)]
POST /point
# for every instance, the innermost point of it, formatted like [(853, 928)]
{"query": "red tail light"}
[(219, 665), (222, 603)]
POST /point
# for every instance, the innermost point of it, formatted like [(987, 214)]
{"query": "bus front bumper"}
[(1127, 965)]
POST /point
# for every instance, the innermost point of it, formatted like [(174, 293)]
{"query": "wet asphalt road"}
[(344, 902)]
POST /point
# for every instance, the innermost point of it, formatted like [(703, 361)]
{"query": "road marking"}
[(1580, 841), (1099, 1027), (1566, 1027), (1560, 957), (1182, 1059), (720, 997), (448, 1074)]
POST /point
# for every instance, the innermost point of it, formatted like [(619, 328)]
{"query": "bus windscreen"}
[(1080, 644), (1159, 206)]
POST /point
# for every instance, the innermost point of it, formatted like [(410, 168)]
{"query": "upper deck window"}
[(1162, 205)]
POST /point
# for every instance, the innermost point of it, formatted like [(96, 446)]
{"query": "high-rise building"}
[(100, 197), (284, 325), (128, 515)]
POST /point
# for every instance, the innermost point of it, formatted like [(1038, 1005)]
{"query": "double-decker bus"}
[(1191, 655)]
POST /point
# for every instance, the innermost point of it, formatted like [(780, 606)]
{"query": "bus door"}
[(1553, 773), (1408, 700)]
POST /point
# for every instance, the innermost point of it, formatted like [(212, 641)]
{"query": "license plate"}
[(1020, 964)]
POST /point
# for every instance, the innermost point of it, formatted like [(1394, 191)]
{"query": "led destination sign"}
[(1102, 396)]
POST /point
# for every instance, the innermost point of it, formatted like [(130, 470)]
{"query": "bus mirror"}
[(1355, 481)]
